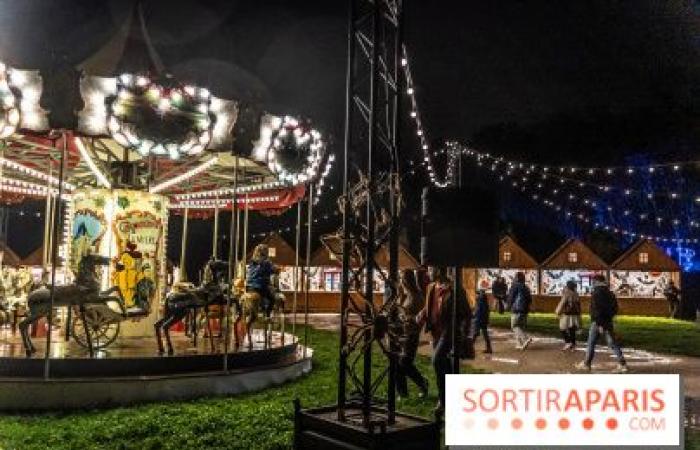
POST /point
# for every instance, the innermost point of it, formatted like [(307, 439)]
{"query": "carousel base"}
[(129, 373)]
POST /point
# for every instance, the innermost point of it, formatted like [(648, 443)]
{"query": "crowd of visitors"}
[(427, 305)]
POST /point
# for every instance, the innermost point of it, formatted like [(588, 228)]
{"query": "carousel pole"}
[(295, 278), (307, 263), (54, 256), (183, 248), (215, 238), (244, 250), (47, 223), (232, 260)]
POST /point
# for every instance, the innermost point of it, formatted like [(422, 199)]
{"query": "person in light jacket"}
[(520, 299), (569, 313)]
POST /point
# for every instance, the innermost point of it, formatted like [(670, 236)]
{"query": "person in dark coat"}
[(258, 274), (411, 301), (436, 316), (672, 294), (480, 323), (520, 299), (603, 310), (499, 289)]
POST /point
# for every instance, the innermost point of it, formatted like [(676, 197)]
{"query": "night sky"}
[(576, 82)]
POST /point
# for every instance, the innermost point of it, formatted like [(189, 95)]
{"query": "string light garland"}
[(563, 175), (33, 172), (572, 214), (184, 176), (452, 158)]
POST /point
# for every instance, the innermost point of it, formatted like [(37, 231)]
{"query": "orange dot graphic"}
[(541, 424), (493, 424), (588, 424), (611, 424), (517, 424), (564, 424)]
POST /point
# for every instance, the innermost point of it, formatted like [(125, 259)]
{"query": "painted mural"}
[(127, 226), (554, 280), (627, 283), (486, 277)]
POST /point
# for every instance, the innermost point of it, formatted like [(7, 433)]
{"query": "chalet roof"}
[(520, 259), (35, 258), (406, 260), (586, 258), (284, 253), (658, 259), (9, 258)]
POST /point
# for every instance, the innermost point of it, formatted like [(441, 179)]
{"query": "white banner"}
[(563, 410)]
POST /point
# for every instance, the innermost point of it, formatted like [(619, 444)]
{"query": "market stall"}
[(512, 258), (640, 275), (573, 261)]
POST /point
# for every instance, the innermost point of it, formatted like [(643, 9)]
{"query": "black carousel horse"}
[(85, 290), (186, 299)]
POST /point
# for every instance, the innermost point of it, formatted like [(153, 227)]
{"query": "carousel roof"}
[(136, 125)]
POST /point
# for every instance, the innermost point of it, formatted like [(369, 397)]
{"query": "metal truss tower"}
[(370, 206)]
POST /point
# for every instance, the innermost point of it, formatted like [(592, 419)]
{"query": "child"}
[(480, 323), (258, 274)]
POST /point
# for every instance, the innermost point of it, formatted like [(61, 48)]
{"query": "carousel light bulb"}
[(126, 79), (409, 91), (13, 117), (163, 104), (141, 81)]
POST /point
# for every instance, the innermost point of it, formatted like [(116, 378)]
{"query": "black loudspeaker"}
[(459, 227), (246, 129)]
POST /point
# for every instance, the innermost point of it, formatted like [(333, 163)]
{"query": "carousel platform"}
[(130, 372)]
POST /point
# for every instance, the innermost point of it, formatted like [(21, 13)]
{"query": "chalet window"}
[(507, 256), (644, 258), (572, 257), (272, 252)]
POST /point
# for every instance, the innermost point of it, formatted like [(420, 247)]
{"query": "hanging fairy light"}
[(185, 176), (167, 119)]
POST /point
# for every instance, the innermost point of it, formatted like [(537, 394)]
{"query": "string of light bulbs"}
[(569, 213)]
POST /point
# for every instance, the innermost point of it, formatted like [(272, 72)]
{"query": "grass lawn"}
[(254, 421), (649, 333)]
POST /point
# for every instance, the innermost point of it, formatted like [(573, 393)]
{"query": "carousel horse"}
[(186, 298), (85, 290), (250, 307)]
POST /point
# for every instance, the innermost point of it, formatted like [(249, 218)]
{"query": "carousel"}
[(107, 310)]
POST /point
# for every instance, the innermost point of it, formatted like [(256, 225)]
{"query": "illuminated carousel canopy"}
[(138, 127)]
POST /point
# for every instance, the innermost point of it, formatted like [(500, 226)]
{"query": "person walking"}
[(411, 302), (603, 310), (672, 294), (499, 289), (436, 316), (520, 299), (569, 312), (480, 323)]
